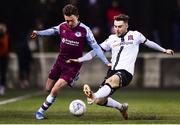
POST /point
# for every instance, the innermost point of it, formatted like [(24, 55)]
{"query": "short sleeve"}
[(141, 38), (105, 45)]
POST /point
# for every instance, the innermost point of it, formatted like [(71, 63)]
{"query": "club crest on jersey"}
[(78, 34), (130, 37)]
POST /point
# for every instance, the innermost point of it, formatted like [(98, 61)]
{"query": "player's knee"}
[(101, 101), (114, 81), (47, 90)]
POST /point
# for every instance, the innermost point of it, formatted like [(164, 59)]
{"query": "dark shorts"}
[(125, 76), (68, 72)]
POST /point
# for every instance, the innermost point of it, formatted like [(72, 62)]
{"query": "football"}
[(77, 107)]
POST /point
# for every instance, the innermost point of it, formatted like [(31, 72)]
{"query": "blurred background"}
[(29, 61)]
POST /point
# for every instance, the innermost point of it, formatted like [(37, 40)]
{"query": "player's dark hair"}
[(70, 9), (122, 17)]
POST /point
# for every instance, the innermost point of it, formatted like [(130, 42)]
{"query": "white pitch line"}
[(18, 98)]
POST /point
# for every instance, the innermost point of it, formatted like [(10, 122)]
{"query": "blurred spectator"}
[(24, 61), (175, 20), (113, 10), (22, 20), (95, 18), (4, 54)]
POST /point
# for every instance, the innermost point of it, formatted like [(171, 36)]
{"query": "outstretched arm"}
[(88, 56), (98, 51), (47, 32), (155, 46), (93, 43)]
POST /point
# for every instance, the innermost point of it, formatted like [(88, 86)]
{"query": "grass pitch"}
[(145, 107)]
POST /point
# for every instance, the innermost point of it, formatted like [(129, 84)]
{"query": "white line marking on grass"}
[(19, 98)]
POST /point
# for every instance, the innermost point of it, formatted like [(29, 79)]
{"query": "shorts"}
[(68, 72), (125, 76)]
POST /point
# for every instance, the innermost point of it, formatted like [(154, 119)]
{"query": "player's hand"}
[(72, 61), (34, 34), (169, 52), (109, 65)]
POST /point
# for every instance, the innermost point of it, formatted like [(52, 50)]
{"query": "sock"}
[(113, 103), (103, 92), (49, 100)]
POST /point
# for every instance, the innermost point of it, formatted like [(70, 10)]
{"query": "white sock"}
[(41, 110), (49, 100), (103, 92), (113, 103)]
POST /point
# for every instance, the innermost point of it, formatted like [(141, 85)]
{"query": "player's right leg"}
[(50, 98), (49, 85), (40, 113)]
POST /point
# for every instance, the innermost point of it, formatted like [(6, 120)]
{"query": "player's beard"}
[(119, 34)]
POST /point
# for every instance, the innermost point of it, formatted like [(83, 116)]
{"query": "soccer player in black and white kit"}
[(124, 47)]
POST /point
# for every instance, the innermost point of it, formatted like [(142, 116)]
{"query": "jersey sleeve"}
[(57, 29), (90, 37), (51, 31), (148, 43), (154, 46), (97, 49), (140, 37), (88, 56), (105, 45)]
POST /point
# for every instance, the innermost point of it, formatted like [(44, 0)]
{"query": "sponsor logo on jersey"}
[(70, 42), (116, 43), (126, 43)]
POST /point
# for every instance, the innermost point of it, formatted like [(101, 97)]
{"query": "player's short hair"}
[(70, 9), (122, 17)]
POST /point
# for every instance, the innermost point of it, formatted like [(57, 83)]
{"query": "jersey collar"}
[(123, 35)]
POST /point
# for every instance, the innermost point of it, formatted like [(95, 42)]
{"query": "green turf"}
[(145, 106)]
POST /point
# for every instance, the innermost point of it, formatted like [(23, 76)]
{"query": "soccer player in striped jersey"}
[(73, 36), (124, 47)]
